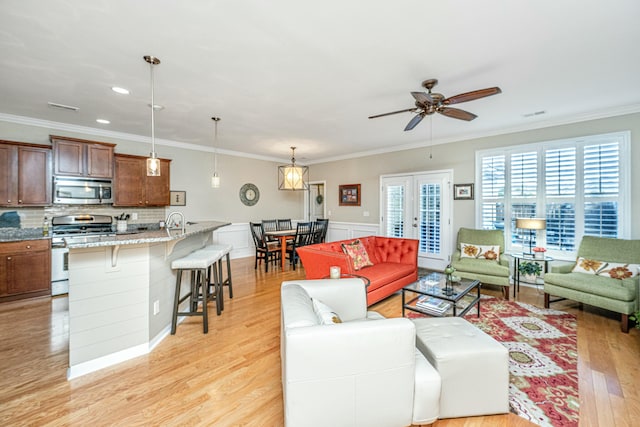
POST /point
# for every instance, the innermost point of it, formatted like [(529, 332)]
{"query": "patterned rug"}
[(543, 358)]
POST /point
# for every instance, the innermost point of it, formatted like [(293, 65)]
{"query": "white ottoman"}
[(474, 367)]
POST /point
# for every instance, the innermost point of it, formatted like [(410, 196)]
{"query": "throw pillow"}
[(491, 253), (326, 315), (614, 270), (358, 254)]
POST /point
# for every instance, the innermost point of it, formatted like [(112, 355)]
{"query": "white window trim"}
[(624, 224)]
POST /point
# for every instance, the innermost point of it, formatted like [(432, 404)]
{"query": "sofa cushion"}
[(612, 270), (384, 273), (299, 307), (358, 254), (490, 252), (622, 290), (326, 315)]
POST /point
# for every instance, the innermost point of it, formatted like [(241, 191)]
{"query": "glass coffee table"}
[(430, 296)]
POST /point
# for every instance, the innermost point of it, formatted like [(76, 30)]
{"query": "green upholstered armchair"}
[(620, 296), (486, 271)]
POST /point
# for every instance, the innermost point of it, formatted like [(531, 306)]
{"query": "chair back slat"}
[(284, 224)]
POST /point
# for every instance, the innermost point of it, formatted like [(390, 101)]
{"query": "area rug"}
[(543, 358)]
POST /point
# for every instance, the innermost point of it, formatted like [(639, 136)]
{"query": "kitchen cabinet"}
[(78, 157), (133, 187), (25, 269), (25, 174)]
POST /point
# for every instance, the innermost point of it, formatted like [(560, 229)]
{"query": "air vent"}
[(535, 113), (62, 106)]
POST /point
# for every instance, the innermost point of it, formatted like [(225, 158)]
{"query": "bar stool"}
[(198, 264), (224, 250)]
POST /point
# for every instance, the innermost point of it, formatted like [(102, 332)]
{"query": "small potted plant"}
[(530, 269), (635, 316)]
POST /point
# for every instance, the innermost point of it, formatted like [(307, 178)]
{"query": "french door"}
[(418, 206)]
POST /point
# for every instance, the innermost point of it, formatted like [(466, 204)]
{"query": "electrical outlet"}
[(134, 215), (365, 213), (156, 307)]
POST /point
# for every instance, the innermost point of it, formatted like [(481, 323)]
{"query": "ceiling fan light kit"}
[(428, 103)]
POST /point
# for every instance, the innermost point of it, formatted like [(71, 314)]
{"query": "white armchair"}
[(364, 371)]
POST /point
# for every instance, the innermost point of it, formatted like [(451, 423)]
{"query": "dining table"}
[(283, 235)]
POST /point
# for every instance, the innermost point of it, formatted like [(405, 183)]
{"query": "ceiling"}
[(284, 73)]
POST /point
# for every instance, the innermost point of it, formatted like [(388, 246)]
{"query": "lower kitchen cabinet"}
[(25, 269)]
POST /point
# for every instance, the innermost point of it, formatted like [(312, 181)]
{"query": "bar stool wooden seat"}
[(225, 250), (198, 264)]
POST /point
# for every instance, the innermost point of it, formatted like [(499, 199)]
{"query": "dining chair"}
[(320, 230), (270, 225), (303, 237), (265, 250), (285, 224)]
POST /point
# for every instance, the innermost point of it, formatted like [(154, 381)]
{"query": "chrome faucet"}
[(171, 225)]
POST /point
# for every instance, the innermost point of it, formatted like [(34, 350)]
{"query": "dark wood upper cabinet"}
[(25, 174), (134, 188), (78, 157)]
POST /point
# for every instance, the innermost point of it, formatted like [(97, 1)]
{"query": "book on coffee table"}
[(432, 305)]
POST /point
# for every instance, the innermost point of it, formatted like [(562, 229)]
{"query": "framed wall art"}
[(462, 191), (178, 198), (349, 195)]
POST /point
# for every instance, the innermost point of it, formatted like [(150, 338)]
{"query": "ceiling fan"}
[(429, 103)]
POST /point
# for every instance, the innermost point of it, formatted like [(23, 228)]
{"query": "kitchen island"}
[(121, 291)]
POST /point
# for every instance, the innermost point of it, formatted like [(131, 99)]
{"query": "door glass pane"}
[(430, 226), (395, 210)]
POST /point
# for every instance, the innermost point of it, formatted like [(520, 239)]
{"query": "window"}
[(580, 186)]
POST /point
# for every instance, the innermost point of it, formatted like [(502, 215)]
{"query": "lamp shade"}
[(531, 223)]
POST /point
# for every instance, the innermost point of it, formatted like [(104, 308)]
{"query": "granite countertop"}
[(138, 237), (131, 237), (9, 234)]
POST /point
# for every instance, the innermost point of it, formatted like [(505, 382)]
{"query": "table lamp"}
[(531, 224)]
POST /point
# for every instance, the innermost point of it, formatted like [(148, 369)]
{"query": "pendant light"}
[(292, 177), (153, 162), (215, 179)]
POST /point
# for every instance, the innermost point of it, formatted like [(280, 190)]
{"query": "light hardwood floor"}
[(231, 376)]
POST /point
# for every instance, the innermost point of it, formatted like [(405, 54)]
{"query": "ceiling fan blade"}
[(470, 96), (456, 113), (414, 122), (393, 112), (422, 97)]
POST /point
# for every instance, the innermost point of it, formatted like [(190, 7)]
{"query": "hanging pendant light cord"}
[(153, 124)]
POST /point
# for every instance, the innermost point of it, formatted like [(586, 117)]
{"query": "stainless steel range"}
[(76, 227)]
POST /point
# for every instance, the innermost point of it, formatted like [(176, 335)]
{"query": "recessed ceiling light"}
[(120, 90), (103, 121)]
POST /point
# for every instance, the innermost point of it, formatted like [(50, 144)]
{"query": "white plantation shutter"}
[(430, 226), (579, 186), (601, 189), (395, 210), (492, 192)]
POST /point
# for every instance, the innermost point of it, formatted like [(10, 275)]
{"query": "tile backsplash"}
[(33, 217)]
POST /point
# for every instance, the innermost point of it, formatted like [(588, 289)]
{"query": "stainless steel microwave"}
[(82, 191)]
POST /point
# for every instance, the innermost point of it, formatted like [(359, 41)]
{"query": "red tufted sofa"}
[(395, 263)]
